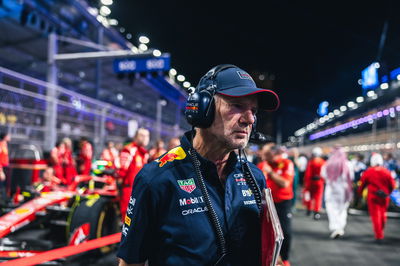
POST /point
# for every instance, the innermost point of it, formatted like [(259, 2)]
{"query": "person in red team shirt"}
[(4, 161), (279, 172), (313, 183), (56, 160), (132, 158), (110, 154), (85, 156), (157, 150), (69, 166), (380, 184), (48, 181)]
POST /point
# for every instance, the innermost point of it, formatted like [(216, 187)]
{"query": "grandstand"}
[(51, 88), (369, 123)]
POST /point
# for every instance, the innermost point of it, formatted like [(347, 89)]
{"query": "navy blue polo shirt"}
[(167, 221)]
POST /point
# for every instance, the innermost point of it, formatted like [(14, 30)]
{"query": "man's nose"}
[(248, 117)]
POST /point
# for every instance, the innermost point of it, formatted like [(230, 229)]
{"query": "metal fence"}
[(25, 109)]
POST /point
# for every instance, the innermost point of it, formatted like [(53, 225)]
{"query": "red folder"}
[(271, 231)]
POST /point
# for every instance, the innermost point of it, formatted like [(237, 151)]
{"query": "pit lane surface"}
[(311, 244)]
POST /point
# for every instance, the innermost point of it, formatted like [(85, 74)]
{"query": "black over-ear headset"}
[(200, 106)]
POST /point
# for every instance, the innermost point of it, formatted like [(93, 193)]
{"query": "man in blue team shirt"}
[(198, 204)]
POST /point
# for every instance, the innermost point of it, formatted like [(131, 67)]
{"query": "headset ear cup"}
[(191, 109), (200, 109), (209, 110)]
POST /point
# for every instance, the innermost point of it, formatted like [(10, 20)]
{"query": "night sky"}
[(314, 50)]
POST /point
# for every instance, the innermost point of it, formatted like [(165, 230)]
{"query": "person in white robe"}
[(338, 173)]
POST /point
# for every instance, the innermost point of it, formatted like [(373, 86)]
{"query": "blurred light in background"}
[(384, 86), (107, 2), (350, 104), (113, 22), (157, 52), (144, 39), (336, 112), (370, 93), (143, 47), (180, 78), (172, 72), (105, 11)]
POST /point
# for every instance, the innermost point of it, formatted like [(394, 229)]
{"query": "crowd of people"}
[(332, 178), (64, 162)]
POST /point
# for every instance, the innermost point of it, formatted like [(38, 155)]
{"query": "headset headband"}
[(212, 74)]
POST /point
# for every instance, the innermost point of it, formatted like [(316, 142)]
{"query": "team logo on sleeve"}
[(187, 185), (125, 230), (132, 201), (175, 154), (127, 220)]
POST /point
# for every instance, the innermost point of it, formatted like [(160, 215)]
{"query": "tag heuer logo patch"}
[(187, 185), (244, 75)]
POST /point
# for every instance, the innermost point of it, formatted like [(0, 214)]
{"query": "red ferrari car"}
[(61, 216)]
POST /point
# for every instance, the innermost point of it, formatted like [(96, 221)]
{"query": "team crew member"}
[(157, 150), (56, 160), (380, 184), (279, 172), (110, 154), (4, 161), (48, 181), (132, 158), (314, 183), (201, 187), (173, 142), (85, 157), (68, 161)]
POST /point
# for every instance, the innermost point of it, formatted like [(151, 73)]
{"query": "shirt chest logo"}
[(187, 185)]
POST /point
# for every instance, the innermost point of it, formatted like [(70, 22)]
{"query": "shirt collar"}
[(186, 143)]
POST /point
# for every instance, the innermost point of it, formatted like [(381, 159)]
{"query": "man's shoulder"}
[(164, 167), (172, 158), (317, 161)]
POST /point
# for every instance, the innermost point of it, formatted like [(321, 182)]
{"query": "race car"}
[(60, 216)]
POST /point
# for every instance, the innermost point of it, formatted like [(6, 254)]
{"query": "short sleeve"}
[(138, 224), (288, 172)]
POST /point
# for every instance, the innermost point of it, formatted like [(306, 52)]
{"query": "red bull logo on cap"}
[(175, 154)]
